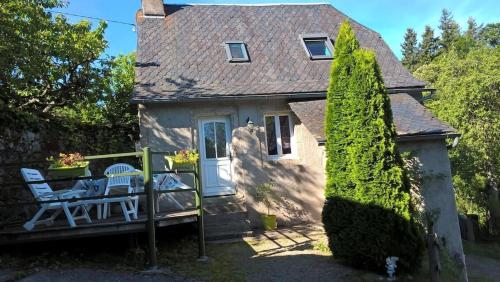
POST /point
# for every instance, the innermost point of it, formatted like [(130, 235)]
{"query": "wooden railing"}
[(149, 191)]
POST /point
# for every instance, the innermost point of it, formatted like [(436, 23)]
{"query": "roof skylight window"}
[(236, 51), (318, 46)]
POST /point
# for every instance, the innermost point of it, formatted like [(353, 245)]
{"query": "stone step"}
[(225, 218), (227, 226), (222, 205)]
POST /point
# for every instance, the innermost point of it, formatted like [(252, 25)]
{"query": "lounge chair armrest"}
[(62, 193)]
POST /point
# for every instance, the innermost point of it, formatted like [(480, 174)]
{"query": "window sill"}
[(282, 157), (320, 58)]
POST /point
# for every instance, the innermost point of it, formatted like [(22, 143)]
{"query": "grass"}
[(110, 253), (222, 265), (481, 251), (238, 261), (322, 246), (486, 250)]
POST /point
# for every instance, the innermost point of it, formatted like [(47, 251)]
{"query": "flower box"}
[(171, 164), (67, 172)]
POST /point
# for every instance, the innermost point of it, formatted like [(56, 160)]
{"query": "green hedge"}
[(367, 210)]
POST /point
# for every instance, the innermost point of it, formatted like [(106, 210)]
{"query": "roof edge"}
[(250, 5), (414, 138), (318, 94), (297, 95)]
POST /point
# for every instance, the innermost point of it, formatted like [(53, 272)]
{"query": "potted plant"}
[(182, 160), (266, 195), (68, 165)]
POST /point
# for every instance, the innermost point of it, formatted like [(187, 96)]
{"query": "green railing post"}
[(199, 207), (148, 186)]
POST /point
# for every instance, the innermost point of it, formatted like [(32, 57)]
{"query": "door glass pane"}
[(220, 133), (272, 147), (286, 145), (209, 133)]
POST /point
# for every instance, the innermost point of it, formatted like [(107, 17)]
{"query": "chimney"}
[(153, 8)]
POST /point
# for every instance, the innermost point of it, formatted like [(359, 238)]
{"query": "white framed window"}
[(236, 51), (280, 140), (318, 46)]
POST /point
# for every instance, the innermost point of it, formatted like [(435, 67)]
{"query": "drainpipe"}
[(454, 144), (430, 96)]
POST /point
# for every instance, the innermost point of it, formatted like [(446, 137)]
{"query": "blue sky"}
[(388, 17)]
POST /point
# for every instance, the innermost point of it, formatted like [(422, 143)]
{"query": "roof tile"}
[(183, 55), (410, 117)]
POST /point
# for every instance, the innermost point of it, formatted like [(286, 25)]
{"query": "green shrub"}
[(367, 210)]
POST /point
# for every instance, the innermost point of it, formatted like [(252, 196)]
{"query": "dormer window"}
[(318, 46), (236, 51)]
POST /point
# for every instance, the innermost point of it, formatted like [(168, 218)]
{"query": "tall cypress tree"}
[(409, 48), (367, 210), (336, 128), (428, 47), (450, 30)]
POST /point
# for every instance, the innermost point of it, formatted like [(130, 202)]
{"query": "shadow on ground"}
[(284, 255), (293, 254)]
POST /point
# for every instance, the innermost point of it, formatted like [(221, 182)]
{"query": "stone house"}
[(246, 86)]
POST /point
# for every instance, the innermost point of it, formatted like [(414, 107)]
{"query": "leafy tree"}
[(120, 86), (490, 34), (472, 28), (112, 106), (410, 49), (428, 47), (471, 103), (367, 210), (47, 63), (450, 30)]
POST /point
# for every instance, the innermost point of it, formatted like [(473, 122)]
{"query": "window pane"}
[(209, 133), (286, 145), (272, 146), (236, 50), (220, 133), (318, 47)]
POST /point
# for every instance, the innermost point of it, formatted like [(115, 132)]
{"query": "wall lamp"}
[(250, 125)]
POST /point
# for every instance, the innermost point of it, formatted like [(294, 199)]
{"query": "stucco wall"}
[(437, 191), (299, 181)]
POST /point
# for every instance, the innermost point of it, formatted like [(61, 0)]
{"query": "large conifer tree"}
[(428, 47), (450, 30), (367, 210), (409, 49)]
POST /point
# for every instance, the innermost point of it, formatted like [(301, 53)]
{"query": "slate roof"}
[(183, 56), (410, 117)]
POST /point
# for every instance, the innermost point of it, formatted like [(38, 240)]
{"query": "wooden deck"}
[(111, 226)]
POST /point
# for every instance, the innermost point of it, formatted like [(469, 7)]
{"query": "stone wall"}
[(437, 193), (22, 147)]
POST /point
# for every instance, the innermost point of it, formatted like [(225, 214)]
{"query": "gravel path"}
[(282, 255), (482, 267)]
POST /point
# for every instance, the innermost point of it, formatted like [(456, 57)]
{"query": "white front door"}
[(215, 156)]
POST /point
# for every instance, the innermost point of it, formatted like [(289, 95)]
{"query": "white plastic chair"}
[(170, 181), (43, 192), (120, 182)]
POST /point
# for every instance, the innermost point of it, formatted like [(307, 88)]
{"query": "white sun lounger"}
[(43, 192)]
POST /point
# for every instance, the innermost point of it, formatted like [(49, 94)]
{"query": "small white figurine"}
[(390, 265)]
